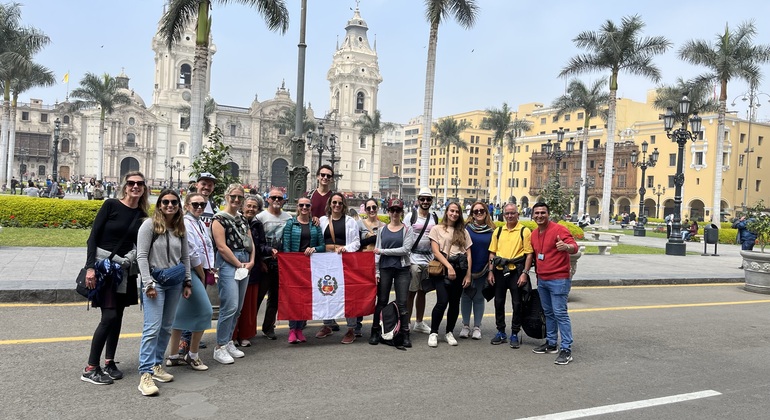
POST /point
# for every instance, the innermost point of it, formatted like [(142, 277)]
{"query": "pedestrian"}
[(320, 196), (116, 219), (552, 245), (98, 191), (480, 227), (422, 221), (274, 220), (746, 237), (246, 327), (669, 219)]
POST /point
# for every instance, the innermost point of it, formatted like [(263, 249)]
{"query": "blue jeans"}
[(231, 295), (553, 298), (477, 302), (158, 316)]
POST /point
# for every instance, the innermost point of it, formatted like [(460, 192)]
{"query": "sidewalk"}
[(47, 275)]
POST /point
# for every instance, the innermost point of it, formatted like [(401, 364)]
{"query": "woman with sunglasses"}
[(301, 235), (340, 235), (368, 227), (117, 219), (161, 244), (480, 227), (194, 313), (451, 245), (392, 249), (235, 250)]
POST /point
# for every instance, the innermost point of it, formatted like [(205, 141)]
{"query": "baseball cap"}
[(207, 175), (395, 202), (425, 192)]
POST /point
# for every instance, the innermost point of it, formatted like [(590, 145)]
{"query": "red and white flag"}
[(326, 285)]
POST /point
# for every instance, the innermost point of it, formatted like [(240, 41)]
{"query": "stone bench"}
[(604, 247), (598, 235)]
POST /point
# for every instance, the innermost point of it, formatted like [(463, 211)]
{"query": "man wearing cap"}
[(421, 220), (205, 186)]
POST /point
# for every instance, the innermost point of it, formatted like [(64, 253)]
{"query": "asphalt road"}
[(632, 345)]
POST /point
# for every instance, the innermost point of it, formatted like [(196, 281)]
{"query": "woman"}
[(115, 228), (246, 326), (301, 235), (98, 191), (451, 245), (235, 250), (368, 227), (194, 314), (161, 245), (392, 249), (340, 235), (480, 228)]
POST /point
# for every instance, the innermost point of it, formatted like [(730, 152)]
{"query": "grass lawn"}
[(10, 236)]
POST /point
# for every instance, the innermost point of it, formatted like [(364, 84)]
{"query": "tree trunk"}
[(717, 204), (583, 169), (500, 171), (11, 144), (604, 222), (200, 66), (430, 79), (446, 173), (4, 125), (100, 151), (371, 168)]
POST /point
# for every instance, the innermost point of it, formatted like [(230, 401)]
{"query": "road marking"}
[(634, 405), (669, 306)]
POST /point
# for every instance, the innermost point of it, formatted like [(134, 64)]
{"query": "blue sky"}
[(513, 54)]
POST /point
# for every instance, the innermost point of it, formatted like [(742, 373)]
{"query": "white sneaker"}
[(421, 327), (476, 333), (230, 347), (450, 339), (222, 356), (465, 332), (433, 340)]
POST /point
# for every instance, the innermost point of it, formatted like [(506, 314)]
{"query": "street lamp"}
[(22, 167), (644, 163), (553, 151), (476, 188), (320, 142), (56, 133), (675, 244), (169, 163), (262, 179), (750, 96), (179, 169), (658, 192), (456, 183)]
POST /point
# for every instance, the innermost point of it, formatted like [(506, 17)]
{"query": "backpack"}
[(414, 217), (533, 318), (390, 326)]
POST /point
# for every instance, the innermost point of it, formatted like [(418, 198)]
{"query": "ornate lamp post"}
[(476, 188), (320, 142), (644, 163), (456, 183), (675, 244), (658, 192), (56, 133), (179, 169), (553, 151), (22, 167), (332, 147), (169, 163)]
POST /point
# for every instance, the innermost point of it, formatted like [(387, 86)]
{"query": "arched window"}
[(41, 170), (360, 103), (361, 164), (182, 148), (66, 119), (131, 140), (65, 146), (185, 77)]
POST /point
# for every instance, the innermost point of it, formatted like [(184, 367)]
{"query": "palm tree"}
[(371, 126), (697, 90), (590, 100), (733, 56), (38, 76), (287, 122), (17, 46), (447, 133), (179, 16), (616, 48), (518, 127), (465, 13), (208, 108), (102, 92), (499, 121)]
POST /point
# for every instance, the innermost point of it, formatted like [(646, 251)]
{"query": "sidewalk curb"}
[(655, 282)]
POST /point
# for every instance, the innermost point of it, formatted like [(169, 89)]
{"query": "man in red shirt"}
[(319, 196), (552, 245)]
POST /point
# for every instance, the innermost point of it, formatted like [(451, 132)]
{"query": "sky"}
[(513, 54)]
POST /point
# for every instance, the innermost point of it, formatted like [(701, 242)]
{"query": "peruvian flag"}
[(326, 285)]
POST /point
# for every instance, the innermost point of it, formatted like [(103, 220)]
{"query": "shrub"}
[(23, 211)]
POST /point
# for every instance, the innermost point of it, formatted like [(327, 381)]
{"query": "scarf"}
[(479, 228)]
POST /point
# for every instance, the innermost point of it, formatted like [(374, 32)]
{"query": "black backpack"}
[(390, 326), (533, 318)]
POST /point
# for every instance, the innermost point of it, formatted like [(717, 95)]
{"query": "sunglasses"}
[(337, 203), (171, 202), (322, 175), (479, 211), (425, 199), (276, 198), (303, 206), (371, 208), (395, 210), (132, 183), (236, 198), (198, 205)]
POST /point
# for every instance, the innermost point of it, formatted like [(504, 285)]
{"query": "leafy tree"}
[(465, 13), (208, 109), (499, 121), (371, 126), (616, 48), (447, 133), (733, 56), (759, 223), (215, 158), (557, 198)]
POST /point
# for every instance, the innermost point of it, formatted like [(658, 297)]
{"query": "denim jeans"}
[(477, 302), (553, 298), (158, 316), (398, 278), (231, 295)]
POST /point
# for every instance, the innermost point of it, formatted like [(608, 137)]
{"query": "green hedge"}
[(24, 211)]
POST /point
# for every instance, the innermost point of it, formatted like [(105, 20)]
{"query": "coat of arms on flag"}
[(326, 285)]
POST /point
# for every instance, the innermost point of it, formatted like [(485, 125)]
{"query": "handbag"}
[(210, 278), (436, 269), (168, 277)]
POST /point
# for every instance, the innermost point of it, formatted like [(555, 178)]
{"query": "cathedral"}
[(152, 139)]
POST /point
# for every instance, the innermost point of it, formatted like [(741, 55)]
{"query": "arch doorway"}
[(649, 208), (233, 169), (64, 172), (624, 205), (697, 210), (280, 172), (127, 165)]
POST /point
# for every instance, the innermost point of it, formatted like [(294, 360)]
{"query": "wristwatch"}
[(150, 285)]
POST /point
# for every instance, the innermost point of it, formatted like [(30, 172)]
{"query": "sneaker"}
[(349, 337), (514, 340), (293, 337), (147, 386), (161, 375), (450, 339), (499, 338), (565, 356), (421, 327), (300, 335), (545, 348), (111, 369), (222, 356), (433, 340), (196, 363), (230, 347), (96, 377), (324, 332), (247, 343), (270, 334), (476, 333), (465, 332), (178, 361)]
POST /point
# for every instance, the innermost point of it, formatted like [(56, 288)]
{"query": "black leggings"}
[(107, 333), (447, 295)]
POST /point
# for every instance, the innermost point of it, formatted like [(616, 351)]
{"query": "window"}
[(65, 119), (470, 171), (44, 118), (361, 164), (362, 142), (232, 130), (743, 137), (699, 158), (525, 182), (65, 146), (597, 143), (740, 160), (650, 181), (131, 121), (281, 131), (759, 162), (25, 115), (185, 77), (740, 183), (475, 161), (542, 120), (131, 140), (580, 115), (697, 181), (184, 121), (671, 181), (759, 140), (652, 139), (567, 117), (470, 162), (592, 164), (621, 181), (526, 164), (758, 184), (672, 159), (526, 148), (182, 148), (724, 159), (360, 103), (555, 118)]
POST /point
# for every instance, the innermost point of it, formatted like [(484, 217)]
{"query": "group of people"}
[(187, 245)]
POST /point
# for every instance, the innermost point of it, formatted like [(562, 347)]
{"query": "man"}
[(422, 221), (14, 184), (318, 198), (274, 219), (205, 186), (746, 238), (552, 245), (510, 258)]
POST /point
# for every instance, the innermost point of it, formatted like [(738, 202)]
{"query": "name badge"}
[(540, 257)]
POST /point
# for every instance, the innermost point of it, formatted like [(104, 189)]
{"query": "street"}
[(643, 345)]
